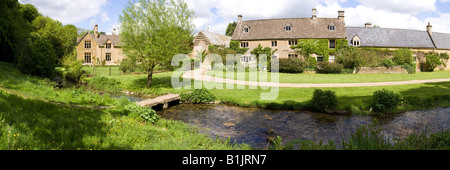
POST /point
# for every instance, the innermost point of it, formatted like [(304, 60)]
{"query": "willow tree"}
[(153, 31)]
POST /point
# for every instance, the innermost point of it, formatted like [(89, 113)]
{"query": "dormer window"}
[(246, 29), (288, 27), (332, 27), (356, 41)]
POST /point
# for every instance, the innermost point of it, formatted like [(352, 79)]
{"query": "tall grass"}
[(27, 124), (370, 137)]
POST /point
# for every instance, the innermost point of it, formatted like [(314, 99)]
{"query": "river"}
[(253, 125)]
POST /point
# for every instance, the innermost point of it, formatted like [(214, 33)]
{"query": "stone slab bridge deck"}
[(161, 100)]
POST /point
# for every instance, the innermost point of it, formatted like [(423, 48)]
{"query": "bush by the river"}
[(198, 96), (323, 101), (383, 100)]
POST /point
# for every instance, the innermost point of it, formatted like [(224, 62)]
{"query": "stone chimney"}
[(341, 15), (430, 29), (314, 14), (96, 31), (368, 25), (239, 18), (114, 32)]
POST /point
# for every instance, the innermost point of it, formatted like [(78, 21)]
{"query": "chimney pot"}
[(430, 28), (368, 25), (341, 15), (314, 14), (114, 31), (239, 18), (96, 31)]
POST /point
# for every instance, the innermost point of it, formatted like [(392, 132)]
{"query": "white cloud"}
[(401, 6), (69, 11)]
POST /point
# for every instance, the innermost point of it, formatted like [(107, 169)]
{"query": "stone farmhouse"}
[(280, 34), (99, 49), (283, 33)]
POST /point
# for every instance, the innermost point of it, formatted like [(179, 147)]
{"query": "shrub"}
[(403, 57), (198, 96), (383, 100), (324, 100), (411, 68), (106, 84), (142, 113), (291, 65), (127, 66), (73, 68), (329, 68), (388, 63), (434, 60), (37, 57)]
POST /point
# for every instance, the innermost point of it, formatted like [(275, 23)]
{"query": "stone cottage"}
[(99, 49), (393, 38), (283, 33), (206, 38)]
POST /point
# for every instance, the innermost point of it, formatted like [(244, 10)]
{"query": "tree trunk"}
[(150, 77)]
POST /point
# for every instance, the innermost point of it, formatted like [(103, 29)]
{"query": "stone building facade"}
[(99, 49), (281, 34)]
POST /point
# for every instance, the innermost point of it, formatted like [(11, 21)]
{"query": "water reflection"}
[(253, 126)]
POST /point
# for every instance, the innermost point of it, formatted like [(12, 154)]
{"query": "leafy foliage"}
[(383, 100), (329, 68), (434, 60), (324, 100), (142, 113), (403, 57), (72, 68), (230, 29), (291, 65), (198, 96), (167, 31), (37, 57), (104, 83)]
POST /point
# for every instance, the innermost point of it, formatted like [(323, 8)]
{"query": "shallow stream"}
[(253, 125)]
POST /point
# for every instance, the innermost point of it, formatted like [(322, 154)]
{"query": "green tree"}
[(29, 12), (260, 50), (37, 57), (153, 31), (14, 29), (230, 29)]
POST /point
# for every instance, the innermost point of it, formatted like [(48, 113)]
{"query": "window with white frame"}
[(331, 58), (332, 27), (246, 59), (246, 29)]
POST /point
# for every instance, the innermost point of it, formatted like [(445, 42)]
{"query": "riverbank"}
[(354, 100), (36, 115)]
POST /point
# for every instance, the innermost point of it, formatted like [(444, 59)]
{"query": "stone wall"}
[(382, 70)]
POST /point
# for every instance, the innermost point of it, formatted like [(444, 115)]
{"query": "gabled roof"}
[(214, 38), (441, 40), (389, 37), (302, 28), (102, 39)]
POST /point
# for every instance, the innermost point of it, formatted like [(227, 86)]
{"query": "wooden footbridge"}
[(161, 100)]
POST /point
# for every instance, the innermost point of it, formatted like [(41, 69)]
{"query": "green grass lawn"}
[(343, 78), (353, 99), (34, 123)]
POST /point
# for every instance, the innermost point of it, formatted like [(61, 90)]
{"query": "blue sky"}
[(216, 14)]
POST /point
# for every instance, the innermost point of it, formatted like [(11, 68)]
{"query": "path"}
[(201, 75)]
